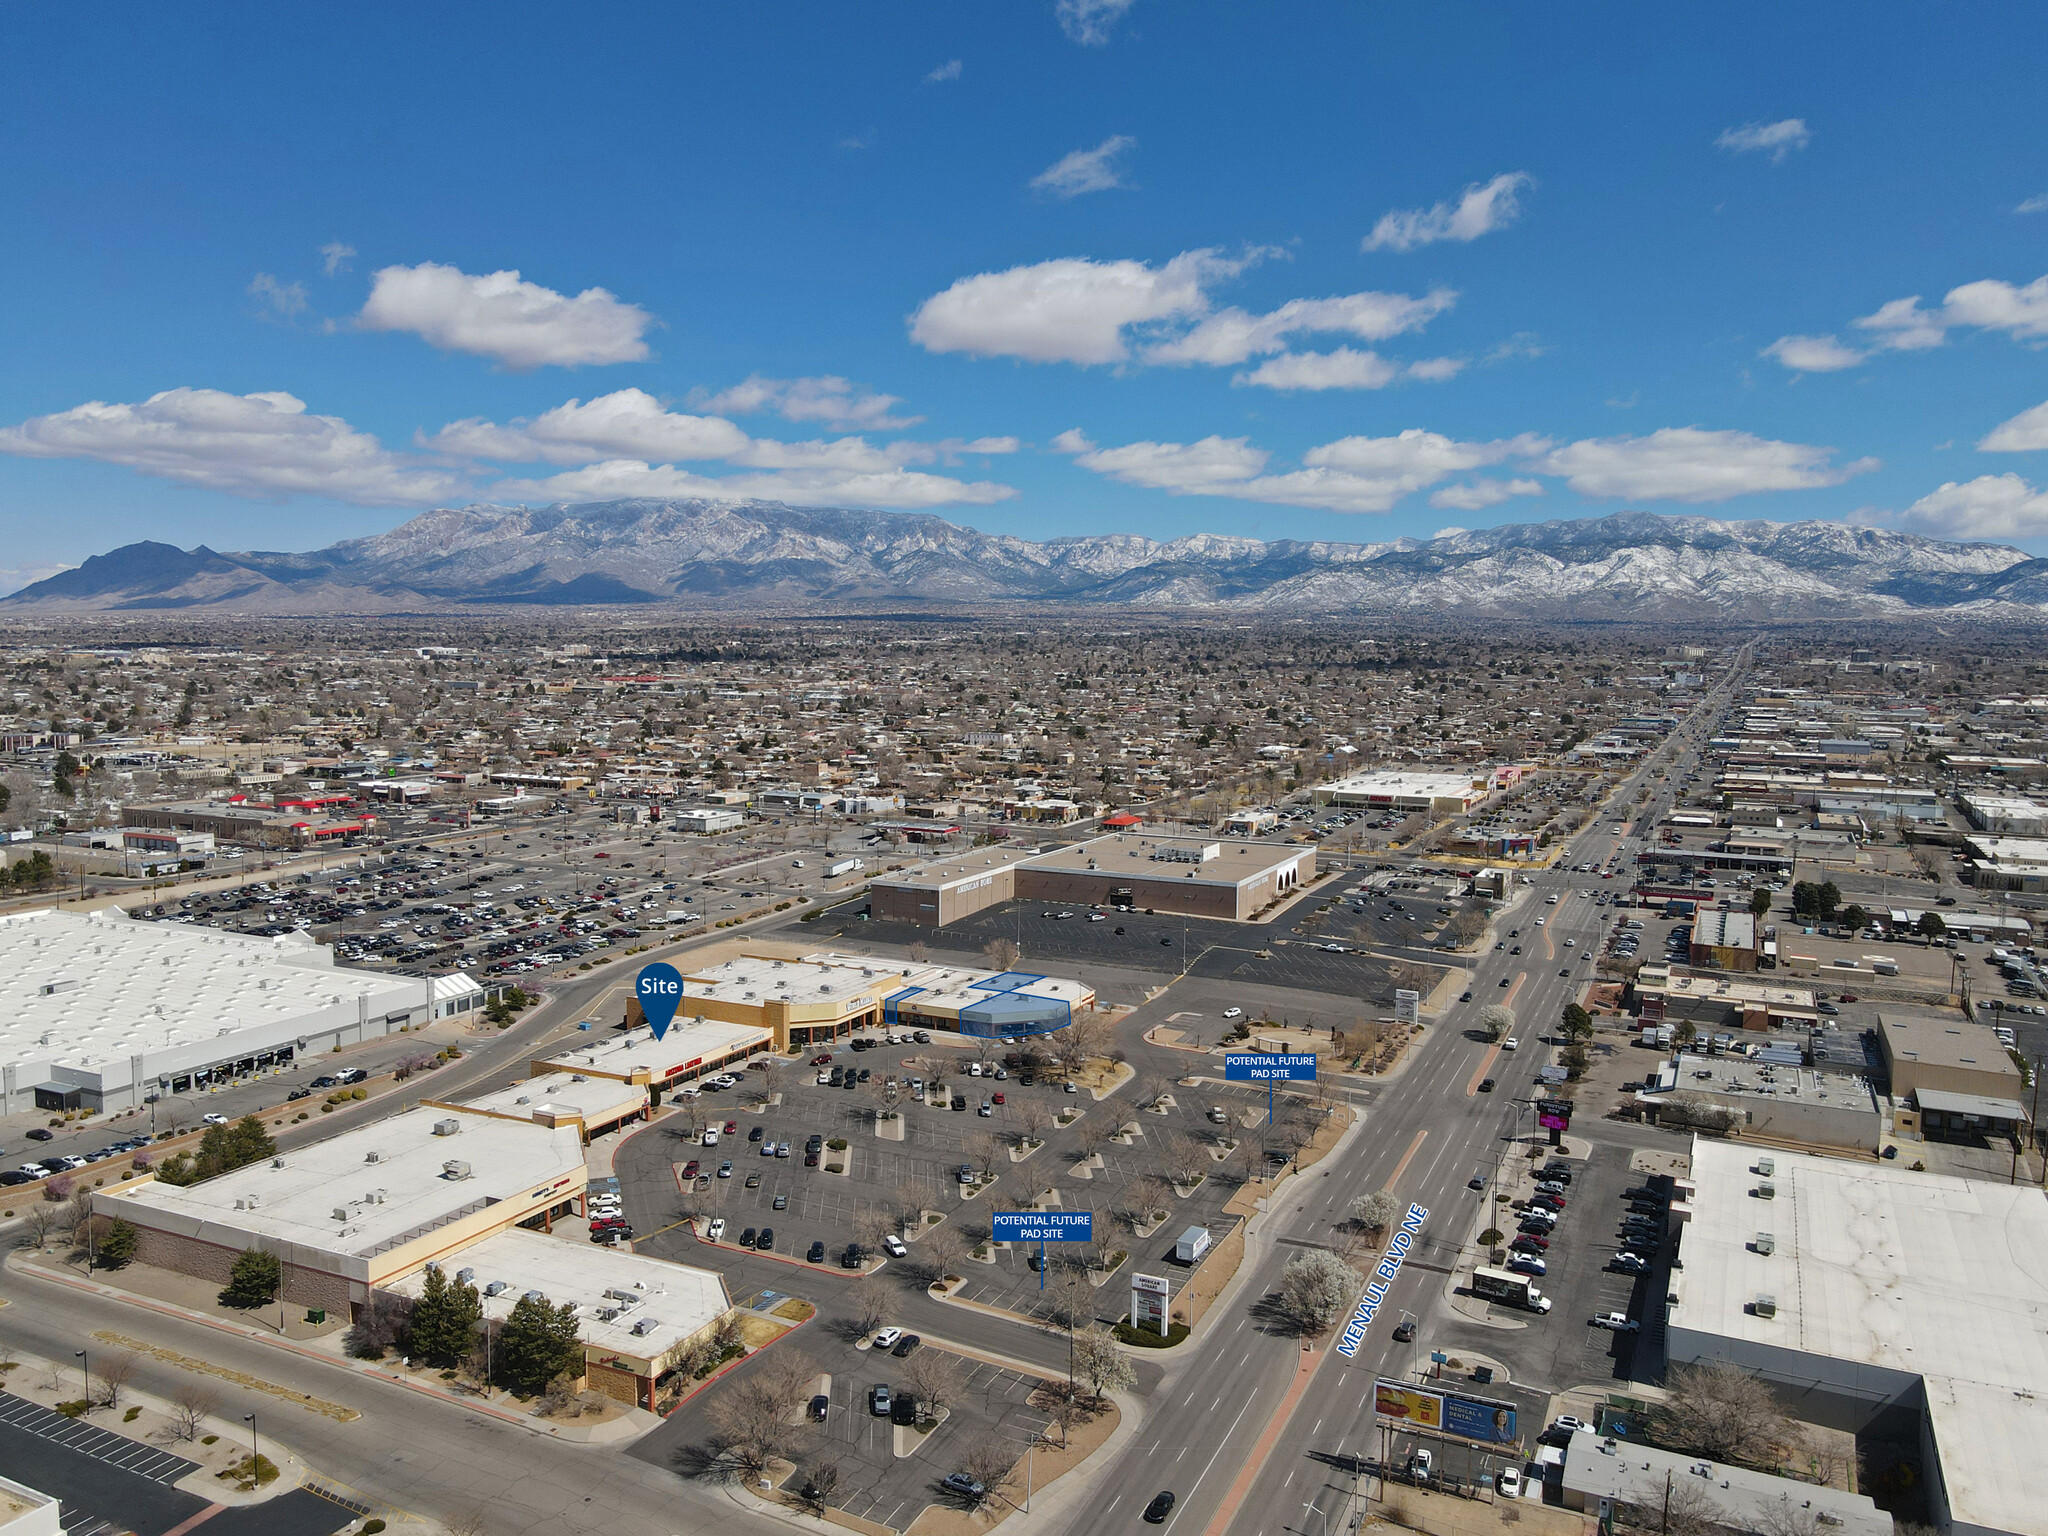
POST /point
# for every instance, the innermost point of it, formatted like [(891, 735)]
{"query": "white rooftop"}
[(680, 1298), (382, 1201), (1397, 782), (595, 1100), (1917, 1273), (83, 989), (687, 1041), (758, 979)]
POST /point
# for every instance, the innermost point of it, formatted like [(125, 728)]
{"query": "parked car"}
[(1508, 1483), (1618, 1322), (716, 1230), (887, 1338), (816, 1254), (893, 1246), (878, 1400), (962, 1484)]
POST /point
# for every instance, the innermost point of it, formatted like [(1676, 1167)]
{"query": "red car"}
[(1847, 997), (600, 855), (821, 1058), (995, 1098), (1528, 1243), (690, 1169), (732, 1127)]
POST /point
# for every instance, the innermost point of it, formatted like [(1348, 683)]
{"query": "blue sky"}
[(1340, 272)]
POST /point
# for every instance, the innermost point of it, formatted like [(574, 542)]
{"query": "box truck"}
[(1504, 1285), (1192, 1245)]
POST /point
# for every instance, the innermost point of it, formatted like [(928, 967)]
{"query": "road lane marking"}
[(1485, 1066)]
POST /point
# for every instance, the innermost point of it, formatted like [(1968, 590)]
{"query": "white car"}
[(894, 1246), (1508, 1484), (1233, 1013), (1095, 917), (710, 1138), (1618, 1322), (215, 1119), (887, 1338), (716, 1230), (1511, 1044)]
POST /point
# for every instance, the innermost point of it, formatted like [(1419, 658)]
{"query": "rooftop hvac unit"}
[(1766, 1306), (373, 1157), (494, 1288), (245, 1202), (464, 1276), (455, 1168), (1767, 1191), (533, 1296), (1766, 1244), (448, 1127), (1766, 1166), (278, 1161), (607, 1314), (341, 1213), (645, 1326)]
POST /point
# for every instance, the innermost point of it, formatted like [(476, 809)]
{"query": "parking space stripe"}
[(114, 1450)]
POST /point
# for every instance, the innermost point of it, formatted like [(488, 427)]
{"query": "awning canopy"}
[(1970, 1104)]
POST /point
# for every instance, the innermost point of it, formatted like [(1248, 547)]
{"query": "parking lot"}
[(887, 1181), (1563, 1347), (874, 1483)]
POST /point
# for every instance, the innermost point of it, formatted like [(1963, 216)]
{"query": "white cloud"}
[(2037, 204), (950, 70), (2025, 433), (818, 487), (1435, 370), (1071, 310), (1233, 336), (500, 315), (1988, 507), (627, 444), (1086, 170), (1779, 138), (1813, 354), (1692, 465), (1449, 533), (1482, 208), (1474, 495), (1342, 369), (1088, 21), (335, 257), (262, 445), (828, 399), (276, 300), (14, 577), (627, 424), (1989, 304), (1353, 474)]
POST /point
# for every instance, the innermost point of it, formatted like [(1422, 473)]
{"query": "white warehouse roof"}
[(1902, 1274), (92, 991)]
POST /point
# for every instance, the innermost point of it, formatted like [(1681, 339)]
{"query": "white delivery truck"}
[(840, 867), (1504, 1285), (1192, 1245)]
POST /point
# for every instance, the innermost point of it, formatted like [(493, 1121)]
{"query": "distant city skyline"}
[(1064, 268)]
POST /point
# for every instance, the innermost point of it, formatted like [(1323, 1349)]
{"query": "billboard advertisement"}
[(1407, 1006), (1554, 1114), (1475, 1418), (1392, 1400), (1274, 1067)]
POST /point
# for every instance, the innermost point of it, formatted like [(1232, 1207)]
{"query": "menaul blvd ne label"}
[(1383, 1279)]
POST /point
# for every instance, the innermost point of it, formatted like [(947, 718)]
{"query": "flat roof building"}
[(637, 1315), (1724, 940), (946, 890), (1193, 876), (1951, 1079), (1721, 1002), (1601, 1473), (692, 1048), (362, 1209), (1435, 794), (101, 1010), (2006, 815), (1880, 1290)]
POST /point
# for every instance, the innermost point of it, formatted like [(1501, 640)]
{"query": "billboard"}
[(1407, 1006), (1475, 1418), (1554, 1114), (1392, 1400), (1276, 1067), (1148, 1302), (1042, 1226)]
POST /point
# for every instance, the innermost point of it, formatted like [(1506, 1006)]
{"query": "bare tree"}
[(935, 1378), (982, 1151), (1687, 1509), (916, 952), (1185, 1159), (191, 1406), (787, 1380), (866, 1306), (1002, 954), (906, 1206), (1094, 1136), (819, 1486), (1151, 1089), (1032, 1123), (988, 1460), (1146, 1197), (872, 1225), (944, 1250), (749, 1428), (114, 1371), (1723, 1413)]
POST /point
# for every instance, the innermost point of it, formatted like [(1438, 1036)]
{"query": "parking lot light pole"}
[(84, 1370), (250, 1420)]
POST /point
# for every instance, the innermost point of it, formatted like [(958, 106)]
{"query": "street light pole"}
[(85, 1370), (250, 1420)]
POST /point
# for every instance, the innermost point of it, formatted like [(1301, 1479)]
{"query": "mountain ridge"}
[(700, 553)]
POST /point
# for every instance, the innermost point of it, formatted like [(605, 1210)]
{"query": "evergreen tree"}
[(537, 1344), (444, 1319), (254, 1280), (117, 1247)]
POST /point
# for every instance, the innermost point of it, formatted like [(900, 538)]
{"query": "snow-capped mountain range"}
[(768, 557)]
